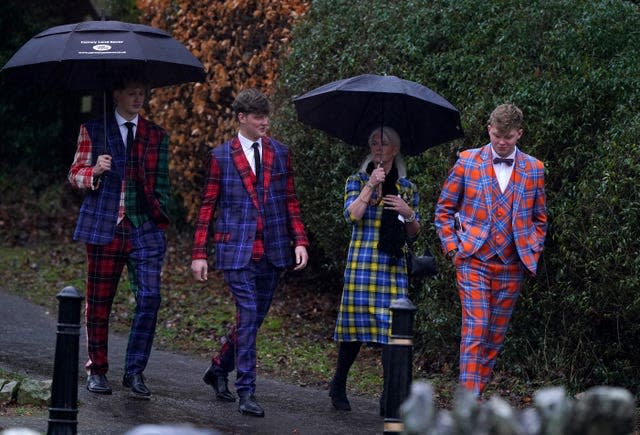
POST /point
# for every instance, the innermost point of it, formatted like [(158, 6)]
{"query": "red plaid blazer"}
[(467, 191)]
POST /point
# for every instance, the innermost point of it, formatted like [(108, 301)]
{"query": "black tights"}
[(347, 353)]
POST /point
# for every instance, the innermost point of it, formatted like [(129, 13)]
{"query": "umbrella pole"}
[(104, 118)]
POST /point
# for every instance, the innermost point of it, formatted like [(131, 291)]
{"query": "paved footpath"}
[(27, 346)]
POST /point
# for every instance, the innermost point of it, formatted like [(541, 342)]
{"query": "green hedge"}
[(574, 69)]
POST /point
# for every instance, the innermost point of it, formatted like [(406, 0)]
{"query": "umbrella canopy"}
[(89, 54), (350, 109)]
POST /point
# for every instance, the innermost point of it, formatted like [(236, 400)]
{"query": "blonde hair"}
[(388, 134), (506, 117)]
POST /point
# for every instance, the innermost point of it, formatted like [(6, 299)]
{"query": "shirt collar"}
[(248, 143), (510, 156), (120, 120)]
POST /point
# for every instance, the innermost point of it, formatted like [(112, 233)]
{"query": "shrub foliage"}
[(573, 68), (240, 43)]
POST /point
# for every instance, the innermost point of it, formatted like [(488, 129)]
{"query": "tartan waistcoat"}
[(500, 241), (99, 211), (237, 216)]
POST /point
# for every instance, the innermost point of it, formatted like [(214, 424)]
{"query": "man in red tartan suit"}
[(250, 190), (491, 219)]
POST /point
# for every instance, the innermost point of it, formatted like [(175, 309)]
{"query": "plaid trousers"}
[(252, 288), (142, 249), (488, 291)]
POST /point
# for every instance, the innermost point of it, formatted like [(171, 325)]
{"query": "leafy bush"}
[(240, 43), (573, 68)]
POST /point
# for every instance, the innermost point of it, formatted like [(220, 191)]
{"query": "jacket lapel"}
[(486, 176), (519, 181), (244, 169), (267, 163), (115, 146)]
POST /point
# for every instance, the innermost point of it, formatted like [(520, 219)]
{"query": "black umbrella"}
[(350, 109), (90, 55)]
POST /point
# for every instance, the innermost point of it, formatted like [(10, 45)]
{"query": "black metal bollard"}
[(398, 364), (63, 411)]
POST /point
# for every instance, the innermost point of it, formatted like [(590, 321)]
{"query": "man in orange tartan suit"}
[(491, 219)]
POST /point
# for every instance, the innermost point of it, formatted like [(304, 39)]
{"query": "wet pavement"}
[(27, 347)]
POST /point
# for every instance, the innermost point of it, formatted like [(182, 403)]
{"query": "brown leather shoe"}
[(136, 383), (98, 384), (220, 385)]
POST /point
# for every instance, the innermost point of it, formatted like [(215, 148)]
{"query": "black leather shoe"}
[(249, 406), (136, 383), (339, 397), (98, 384), (219, 384)]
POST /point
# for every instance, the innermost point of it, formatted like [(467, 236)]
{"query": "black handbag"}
[(421, 266)]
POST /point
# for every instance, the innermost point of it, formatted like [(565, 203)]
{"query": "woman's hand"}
[(377, 176), (397, 204)]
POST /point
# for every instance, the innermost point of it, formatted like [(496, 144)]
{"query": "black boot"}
[(220, 385), (347, 353), (338, 394)]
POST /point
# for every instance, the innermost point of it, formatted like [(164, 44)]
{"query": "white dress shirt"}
[(247, 147), (503, 172), (123, 128)]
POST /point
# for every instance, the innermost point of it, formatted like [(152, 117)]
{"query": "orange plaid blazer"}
[(467, 193)]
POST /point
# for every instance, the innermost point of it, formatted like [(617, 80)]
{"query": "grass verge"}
[(294, 343)]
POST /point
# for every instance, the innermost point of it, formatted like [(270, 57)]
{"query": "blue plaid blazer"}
[(238, 207), (99, 211)]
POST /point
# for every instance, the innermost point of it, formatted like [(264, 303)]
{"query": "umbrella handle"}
[(378, 191)]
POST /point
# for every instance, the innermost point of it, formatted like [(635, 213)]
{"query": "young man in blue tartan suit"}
[(250, 189)]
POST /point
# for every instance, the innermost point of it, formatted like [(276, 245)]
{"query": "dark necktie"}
[(499, 160), (129, 126), (256, 157)]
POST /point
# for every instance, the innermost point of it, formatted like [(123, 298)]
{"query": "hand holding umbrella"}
[(103, 164)]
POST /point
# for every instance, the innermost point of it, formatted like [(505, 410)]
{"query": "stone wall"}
[(598, 411)]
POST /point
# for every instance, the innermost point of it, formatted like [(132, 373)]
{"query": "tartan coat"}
[(230, 193), (145, 169), (468, 192)]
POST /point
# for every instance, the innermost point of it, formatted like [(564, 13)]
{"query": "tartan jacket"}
[(468, 192), (145, 169), (229, 192)]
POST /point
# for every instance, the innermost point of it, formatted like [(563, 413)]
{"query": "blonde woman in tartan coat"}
[(380, 205)]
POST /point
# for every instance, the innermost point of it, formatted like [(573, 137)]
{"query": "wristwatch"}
[(451, 254)]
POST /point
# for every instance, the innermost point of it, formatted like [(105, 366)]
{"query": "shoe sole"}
[(250, 414), (101, 392), (225, 399), (135, 395), (139, 396)]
